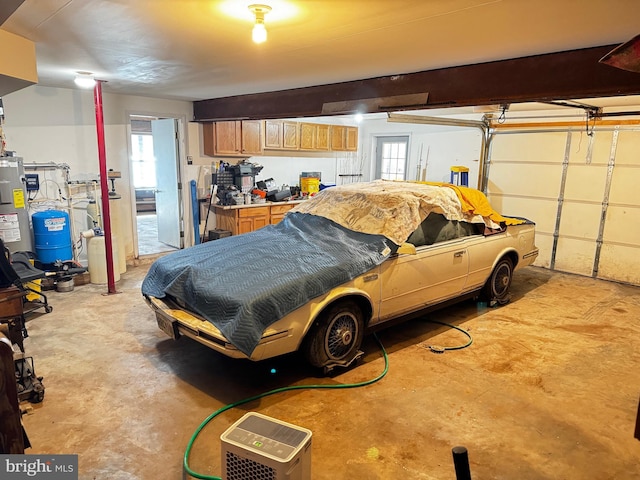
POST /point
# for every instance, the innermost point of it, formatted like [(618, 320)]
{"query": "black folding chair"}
[(16, 270)]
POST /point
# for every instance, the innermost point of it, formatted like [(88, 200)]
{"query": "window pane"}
[(143, 161), (392, 162)]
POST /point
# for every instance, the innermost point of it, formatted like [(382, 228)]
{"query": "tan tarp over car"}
[(396, 209)]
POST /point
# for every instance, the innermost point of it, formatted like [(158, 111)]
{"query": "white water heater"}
[(261, 447)]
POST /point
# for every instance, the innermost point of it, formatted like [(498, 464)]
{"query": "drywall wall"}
[(45, 124), (432, 148)]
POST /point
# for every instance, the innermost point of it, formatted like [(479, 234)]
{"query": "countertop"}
[(265, 204)]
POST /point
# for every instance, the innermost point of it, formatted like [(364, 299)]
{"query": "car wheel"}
[(336, 336), (497, 286)]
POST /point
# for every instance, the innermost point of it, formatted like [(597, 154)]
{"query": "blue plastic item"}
[(52, 236)]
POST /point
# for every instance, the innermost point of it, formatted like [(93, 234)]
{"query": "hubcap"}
[(502, 280), (340, 336)]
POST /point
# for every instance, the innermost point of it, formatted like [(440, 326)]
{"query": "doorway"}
[(155, 171), (391, 157)]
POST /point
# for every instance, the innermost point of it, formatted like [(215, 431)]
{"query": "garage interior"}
[(517, 93)]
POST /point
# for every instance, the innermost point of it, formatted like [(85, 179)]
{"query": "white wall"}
[(441, 147), (44, 124)]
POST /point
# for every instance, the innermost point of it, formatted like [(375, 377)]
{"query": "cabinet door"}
[(259, 222), (208, 141), (252, 137), (322, 137), (351, 139), (337, 137), (227, 138), (273, 134), (308, 136), (227, 220), (245, 225), (290, 135), (278, 212)]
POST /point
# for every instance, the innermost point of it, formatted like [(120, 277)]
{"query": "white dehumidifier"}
[(261, 447)]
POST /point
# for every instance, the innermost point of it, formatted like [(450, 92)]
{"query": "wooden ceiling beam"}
[(554, 76)]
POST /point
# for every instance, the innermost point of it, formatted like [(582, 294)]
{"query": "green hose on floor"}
[(187, 452), (185, 462)]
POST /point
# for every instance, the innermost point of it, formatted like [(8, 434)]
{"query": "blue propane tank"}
[(52, 236)]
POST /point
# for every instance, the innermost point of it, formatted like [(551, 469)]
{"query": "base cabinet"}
[(245, 219), (278, 212)]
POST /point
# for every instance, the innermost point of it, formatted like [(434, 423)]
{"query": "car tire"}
[(336, 336), (496, 290)]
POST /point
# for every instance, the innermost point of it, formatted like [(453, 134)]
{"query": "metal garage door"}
[(583, 193)]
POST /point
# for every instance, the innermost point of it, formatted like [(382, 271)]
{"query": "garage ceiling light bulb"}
[(259, 33), (85, 80)]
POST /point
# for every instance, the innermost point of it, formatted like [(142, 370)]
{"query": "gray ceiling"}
[(195, 49)]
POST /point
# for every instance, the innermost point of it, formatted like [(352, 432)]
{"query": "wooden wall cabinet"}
[(232, 138), (308, 133), (322, 137), (344, 138), (281, 135), (273, 134), (290, 135), (314, 136), (250, 137), (338, 138), (351, 136)]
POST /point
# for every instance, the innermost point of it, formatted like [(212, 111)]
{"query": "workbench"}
[(246, 218)]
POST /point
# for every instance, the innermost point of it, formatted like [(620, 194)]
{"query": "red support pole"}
[(104, 186)]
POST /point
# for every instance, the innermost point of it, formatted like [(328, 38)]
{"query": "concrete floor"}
[(148, 243), (548, 390)]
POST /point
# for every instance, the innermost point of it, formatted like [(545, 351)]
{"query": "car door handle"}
[(459, 254)]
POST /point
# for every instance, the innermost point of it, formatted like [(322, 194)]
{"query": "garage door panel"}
[(580, 220), (625, 184), (528, 180), (544, 242), (541, 212), (600, 149), (622, 225), (525, 177), (547, 147), (620, 263), (628, 149), (585, 183), (575, 256)]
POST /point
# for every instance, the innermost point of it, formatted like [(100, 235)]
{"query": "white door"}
[(168, 198), (391, 157)]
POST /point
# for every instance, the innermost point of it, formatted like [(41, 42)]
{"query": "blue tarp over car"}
[(244, 283)]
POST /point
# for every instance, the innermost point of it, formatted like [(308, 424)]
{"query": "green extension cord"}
[(439, 349), (187, 452), (185, 462)]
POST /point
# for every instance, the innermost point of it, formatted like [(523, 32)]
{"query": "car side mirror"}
[(407, 249)]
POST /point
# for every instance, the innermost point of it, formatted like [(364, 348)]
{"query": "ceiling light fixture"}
[(259, 32), (85, 80)]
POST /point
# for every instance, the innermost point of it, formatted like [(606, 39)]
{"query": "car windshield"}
[(437, 228)]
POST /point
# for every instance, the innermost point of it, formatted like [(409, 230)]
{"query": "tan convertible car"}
[(339, 265)]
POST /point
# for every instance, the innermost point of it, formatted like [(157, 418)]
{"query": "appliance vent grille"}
[(239, 468)]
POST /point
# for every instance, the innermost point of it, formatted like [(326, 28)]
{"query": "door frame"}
[(182, 158)]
